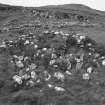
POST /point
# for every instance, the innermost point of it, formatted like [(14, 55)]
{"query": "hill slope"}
[(84, 18), (51, 55)]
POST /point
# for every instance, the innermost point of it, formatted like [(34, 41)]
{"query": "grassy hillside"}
[(48, 47), (69, 13)]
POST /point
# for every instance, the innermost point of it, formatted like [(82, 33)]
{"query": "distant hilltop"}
[(66, 7)]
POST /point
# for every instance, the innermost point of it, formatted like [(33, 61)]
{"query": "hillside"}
[(79, 7), (71, 12), (52, 55)]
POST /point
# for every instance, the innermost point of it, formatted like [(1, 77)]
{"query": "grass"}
[(79, 92)]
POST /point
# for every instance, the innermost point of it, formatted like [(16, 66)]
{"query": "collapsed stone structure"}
[(51, 57)]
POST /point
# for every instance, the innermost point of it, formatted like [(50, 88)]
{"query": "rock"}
[(3, 46), (68, 72), (86, 76), (20, 58), (103, 62), (32, 66), (52, 62), (89, 69), (19, 64), (26, 77), (33, 75), (17, 79), (26, 42), (59, 76), (59, 89), (30, 83)]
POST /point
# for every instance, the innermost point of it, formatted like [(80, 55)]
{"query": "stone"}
[(44, 49), (59, 88), (103, 62), (86, 76), (3, 46), (17, 79), (19, 64), (20, 58), (68, 72), (33, 75), (52, 62), (26, 42), (35, 46), (33, 66), (89, 69), (59, 76), (25, 76)]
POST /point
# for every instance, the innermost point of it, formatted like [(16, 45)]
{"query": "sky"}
[(95, 4)]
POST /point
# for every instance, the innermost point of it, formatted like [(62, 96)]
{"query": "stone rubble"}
[(39, 61)]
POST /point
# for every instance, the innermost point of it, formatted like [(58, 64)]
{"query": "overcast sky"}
[(96, 4)]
